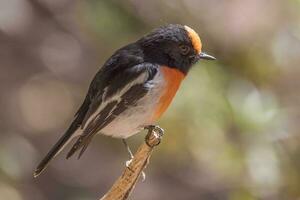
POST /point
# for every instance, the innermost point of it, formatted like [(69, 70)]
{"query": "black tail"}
[(62, 142), (65, 139)]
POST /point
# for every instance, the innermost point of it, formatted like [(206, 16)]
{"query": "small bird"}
[(133, 89)]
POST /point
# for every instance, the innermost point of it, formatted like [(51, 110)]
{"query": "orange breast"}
[(173, 78)]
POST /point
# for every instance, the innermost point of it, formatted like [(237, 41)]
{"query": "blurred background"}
[(231, 133)]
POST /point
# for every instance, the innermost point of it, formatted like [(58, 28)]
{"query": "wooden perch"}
[(124, 185)]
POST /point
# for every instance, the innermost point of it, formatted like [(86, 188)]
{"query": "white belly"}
[(134, 119)]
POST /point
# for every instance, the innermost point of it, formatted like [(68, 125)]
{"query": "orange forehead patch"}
[(194, 37)]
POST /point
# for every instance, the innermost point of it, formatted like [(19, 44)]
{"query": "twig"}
[(124, 185)]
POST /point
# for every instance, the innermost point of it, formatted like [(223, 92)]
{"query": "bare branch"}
[(125, 183)]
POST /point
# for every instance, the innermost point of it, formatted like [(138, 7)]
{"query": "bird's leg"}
[(158, 133), (129, 152), (131, 157)]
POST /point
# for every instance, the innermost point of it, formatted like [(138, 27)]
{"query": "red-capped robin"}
[(134, 87)]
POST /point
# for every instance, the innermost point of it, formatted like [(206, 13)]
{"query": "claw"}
[(143, 176), (127, 163)]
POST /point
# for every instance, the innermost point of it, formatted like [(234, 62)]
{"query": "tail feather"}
[(81, 143), (65, 139), (56, 149)]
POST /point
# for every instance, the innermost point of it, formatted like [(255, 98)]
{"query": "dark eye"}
[(184, 49)]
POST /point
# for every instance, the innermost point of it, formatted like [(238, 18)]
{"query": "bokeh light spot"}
[(45, 103)]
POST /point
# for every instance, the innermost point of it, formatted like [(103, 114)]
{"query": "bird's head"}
[(173, 45)]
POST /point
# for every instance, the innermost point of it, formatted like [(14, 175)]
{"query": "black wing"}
[(123, 92), (121, 61)]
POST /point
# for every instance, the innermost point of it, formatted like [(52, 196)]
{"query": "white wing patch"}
[(116, 97), (135, 118)]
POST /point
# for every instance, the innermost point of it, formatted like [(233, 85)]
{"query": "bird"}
[(133, 88)]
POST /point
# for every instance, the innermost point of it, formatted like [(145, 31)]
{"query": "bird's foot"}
[(143, 174), (127, 163)]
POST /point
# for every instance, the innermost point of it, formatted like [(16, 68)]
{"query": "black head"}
[(173, 45)]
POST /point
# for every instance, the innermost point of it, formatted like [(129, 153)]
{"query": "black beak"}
[(205, 56)]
